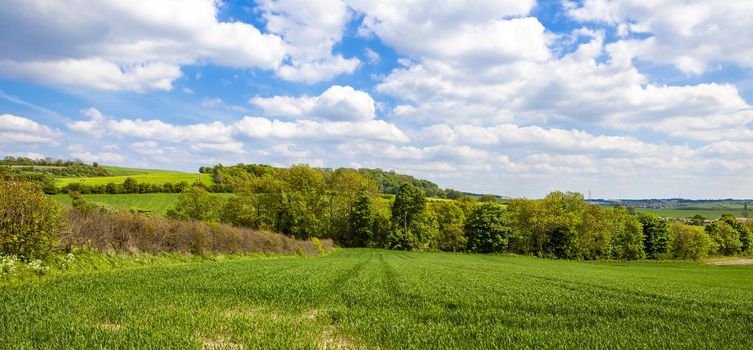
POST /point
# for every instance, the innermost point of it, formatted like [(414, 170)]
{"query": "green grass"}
[(684, 213), (152, 178), (387, 299), (710, 213), (156, 202), (122, 171)]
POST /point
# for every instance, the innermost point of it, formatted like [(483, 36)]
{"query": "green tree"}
[(413, 227), (361, 221), (130, 185), (689, 242), (486, 230), (304, 200), (487, 198), (742, 229), (657, 240), (409, 203), (30, 221), (725, 239), (450, 221), (197, 204), (627, 236)]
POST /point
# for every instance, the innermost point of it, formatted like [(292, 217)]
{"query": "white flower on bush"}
[(37, 267), (8, 265)]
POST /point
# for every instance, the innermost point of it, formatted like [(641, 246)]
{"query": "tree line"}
[(346, 206)]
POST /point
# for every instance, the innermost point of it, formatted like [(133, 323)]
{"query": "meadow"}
[(361, 298), (157, 203), (150, 178)]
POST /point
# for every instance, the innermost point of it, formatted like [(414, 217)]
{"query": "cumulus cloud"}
[(14, 129), (224, 136), (336, 103), (263, 128), (690, 35), (114, 45), (311, 29)]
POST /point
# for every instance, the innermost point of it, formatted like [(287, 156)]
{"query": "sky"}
[(622, 98)]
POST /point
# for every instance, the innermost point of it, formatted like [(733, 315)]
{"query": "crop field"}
[(121, 171), (684, 213), (158, 203), (386, 299), (151, 178)]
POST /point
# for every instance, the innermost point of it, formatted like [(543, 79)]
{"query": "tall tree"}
[(486, 230)]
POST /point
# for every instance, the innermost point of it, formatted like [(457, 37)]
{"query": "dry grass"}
[(135, 233)]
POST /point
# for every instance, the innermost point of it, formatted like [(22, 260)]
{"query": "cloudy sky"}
[(628, 99)]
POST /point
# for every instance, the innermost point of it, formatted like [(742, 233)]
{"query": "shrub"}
[(690, 242), (134, 232), (30, 222), (485, 229)]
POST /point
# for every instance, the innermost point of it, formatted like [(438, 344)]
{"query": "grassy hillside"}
[(156, 202), (151, 178), (387, 299), (122, 171)]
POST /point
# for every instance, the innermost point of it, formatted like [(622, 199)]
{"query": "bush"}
[(134, 232), (485, 229), (690, 242), (30, 222)]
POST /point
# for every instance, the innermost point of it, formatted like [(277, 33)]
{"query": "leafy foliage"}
[(486, 229), (30, 222)]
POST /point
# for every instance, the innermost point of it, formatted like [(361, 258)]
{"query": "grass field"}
[(684, 213), (156, 202), (387, 299), (122, 171), (151, 178)]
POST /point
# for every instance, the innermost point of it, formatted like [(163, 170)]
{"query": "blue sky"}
[(518, 98)]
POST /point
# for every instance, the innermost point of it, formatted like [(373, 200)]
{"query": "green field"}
[(156, 202), (684, 213), (387, 299), (151, 178), (122, 171)]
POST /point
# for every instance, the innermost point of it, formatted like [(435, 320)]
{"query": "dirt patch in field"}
[(311, 315), (330, 340), (112, 327), (732, 262), (219, 343), (251, 313)]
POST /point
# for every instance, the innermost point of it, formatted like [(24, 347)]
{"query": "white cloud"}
[(14, 128), (310, 29), (159, 130), (336, 103), (80, 152), (691, 35), (263, 128), (227, 147), (116, 45)]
